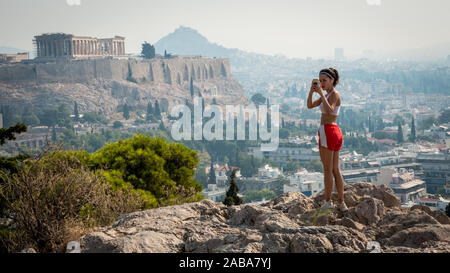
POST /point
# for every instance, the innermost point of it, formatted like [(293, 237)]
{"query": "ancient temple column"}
[(46, 48), (53, 48), (38, 44), (59, 48)]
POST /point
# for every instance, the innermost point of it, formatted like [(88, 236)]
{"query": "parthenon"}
[(56, 45)]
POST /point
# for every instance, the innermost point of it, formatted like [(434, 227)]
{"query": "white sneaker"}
[(343, 207), (327, 205)]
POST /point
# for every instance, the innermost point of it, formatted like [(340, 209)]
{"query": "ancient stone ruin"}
[(61, 45)]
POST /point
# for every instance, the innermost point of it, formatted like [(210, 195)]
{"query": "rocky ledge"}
[(291, 222)]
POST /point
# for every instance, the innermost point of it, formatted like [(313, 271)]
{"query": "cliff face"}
[(291, 222), (103, 84), (171, 71)]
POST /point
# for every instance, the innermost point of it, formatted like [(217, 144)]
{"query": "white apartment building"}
[(406, 186), (436, 203), (309, 183), (267, 172), (214, 193)]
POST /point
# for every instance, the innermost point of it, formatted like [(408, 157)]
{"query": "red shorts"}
[(330, 136)]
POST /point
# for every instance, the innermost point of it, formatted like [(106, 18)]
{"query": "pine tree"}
[(148, 51), (191, 87), (413, 131), (157, 110), (236, 151), (149, 110), (399, 133), (8, 133), (212, 174), (161, 126), (75, 111), (231, 196), (126, 112)]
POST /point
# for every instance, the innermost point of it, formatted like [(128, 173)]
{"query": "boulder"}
[(291, 222), (368, 211), (439, 215)]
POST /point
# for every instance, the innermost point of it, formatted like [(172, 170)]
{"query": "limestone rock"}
[(440, 216), (290, 222), (347, 222), (369, 210)]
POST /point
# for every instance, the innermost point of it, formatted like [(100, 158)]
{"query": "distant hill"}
[(11, 50), (188, 41), (246, 66)]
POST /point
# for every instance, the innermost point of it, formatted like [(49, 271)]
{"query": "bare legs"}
[(330, 161), (338, 179)]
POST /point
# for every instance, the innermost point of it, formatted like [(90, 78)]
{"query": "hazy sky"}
[(295, 28)]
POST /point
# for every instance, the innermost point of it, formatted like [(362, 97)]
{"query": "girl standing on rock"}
[(330, 135)]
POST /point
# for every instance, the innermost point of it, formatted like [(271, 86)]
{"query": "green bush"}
[(163, 170), (117, 124)]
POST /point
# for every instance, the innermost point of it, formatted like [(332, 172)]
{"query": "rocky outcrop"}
[(101, 85), (290, 222)]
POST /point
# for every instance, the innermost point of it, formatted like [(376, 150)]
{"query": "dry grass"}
[(54, 199)]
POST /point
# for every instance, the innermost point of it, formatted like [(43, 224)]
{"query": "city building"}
[(214, 193), (14, 58), (386, 172), (436, 203), (283, 154), (61, 45), (436, 169), (406, 186), (308, 183), (447, 188), (360, 175), (438, 132), (221, 173), (268, 172)]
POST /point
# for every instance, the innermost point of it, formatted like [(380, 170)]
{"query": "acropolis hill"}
[(99, 78)]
